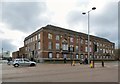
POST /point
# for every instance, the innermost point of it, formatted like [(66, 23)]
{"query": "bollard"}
[(91, 64), (73, 63), (102, 64)]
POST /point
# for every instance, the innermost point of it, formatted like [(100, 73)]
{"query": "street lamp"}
[(88, 32)]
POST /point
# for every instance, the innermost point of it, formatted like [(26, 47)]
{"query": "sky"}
[(20, 18)]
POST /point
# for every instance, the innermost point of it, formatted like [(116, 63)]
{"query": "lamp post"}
[(88, 32)]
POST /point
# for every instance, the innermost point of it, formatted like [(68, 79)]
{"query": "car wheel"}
[(16, 65), (32, 64)]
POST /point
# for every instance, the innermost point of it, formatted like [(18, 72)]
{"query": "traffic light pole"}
[(94, 50)]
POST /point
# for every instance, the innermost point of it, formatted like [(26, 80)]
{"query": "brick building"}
[(15, 54), (19, 54), (51, 42)]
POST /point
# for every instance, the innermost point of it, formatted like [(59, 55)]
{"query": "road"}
[(61, 73)]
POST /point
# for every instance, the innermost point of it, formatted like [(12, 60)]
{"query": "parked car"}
[(23, 62)]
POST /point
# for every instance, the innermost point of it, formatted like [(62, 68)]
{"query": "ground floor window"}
[(97, 57), (77, 56), (50, 55), (64, 56), (57, 55), (81, 56), (91, 56)]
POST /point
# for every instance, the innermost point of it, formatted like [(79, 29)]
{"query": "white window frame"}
[(86, 49), (39, 45), (57, 37), (57, 46)]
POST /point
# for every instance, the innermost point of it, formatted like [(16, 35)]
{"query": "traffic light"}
[(95, 47)]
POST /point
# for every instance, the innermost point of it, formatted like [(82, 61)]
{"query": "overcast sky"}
[(20, 19)]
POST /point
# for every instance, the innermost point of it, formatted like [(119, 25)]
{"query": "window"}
[(49, 36), (90, 43), (71, 39), (90, 49), (81, 41), (29, 40), (65, 46), (86, 49), (38, 36), (86, 41), (57, 37), (57, 46), (103, 45), (81, 56), (50, 55), (97, 50), (76, 56), (49, 45), (25, 48), (38, 45), (57, 55), (112, 51), (77, 40), (97, 44), (77, 48), (103, 50), (106, 51)]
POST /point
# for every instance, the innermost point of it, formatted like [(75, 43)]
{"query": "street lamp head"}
[(83, 13), (93, 8)]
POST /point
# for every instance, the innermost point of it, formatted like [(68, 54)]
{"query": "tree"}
[(117, 54)]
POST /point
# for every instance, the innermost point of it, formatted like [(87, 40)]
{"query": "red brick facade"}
[(54, 42)]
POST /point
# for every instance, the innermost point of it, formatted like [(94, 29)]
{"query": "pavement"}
[(61, 73)]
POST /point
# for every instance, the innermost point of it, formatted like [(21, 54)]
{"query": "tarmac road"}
[(61, 73)]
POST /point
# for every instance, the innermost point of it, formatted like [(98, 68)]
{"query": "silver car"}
[(23, 62)]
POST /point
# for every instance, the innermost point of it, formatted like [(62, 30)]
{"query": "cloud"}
[(103, 23), (24, 16), (8, 46)]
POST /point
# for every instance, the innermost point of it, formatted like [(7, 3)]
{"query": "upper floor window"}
[(26, 49), (38, 36), (65, 46), (90, 49), (90, 43), (38, 45), (57, 37), (35, 37), (77, 40), (49, 45), (86, 41), (103, 50), (81, 41), (49, 36), (86, 49), (57, 46), (97, 44), (77, 48), (71, 39), (103, 45), (112, 52), (25, 42)]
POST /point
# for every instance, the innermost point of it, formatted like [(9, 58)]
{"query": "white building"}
[(6, 54)]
